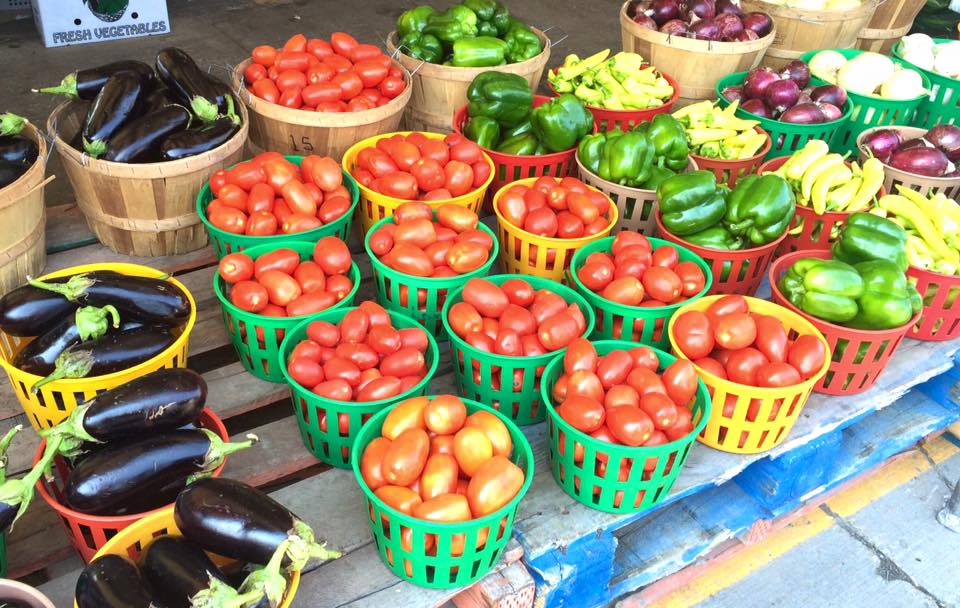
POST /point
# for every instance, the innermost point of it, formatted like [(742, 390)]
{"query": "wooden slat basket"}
[(891, 21), (22, 241)]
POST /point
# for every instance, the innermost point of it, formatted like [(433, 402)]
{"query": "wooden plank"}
[(67, 228), (97, 253)]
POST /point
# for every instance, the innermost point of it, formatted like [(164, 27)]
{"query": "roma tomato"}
[(643, 356), (743, 364), (807, 355), (249, 296), (660, 408), (621, 395), (404, 459), (776, 374), (613, 368), (680, 380), (580, 355), (459, 177), (472, 448), (236, 267), (665, 257), (370, 462), (712, 366), (726, 305), (466, 256), (771, 337), (229, 219), (445, 415), (284, 260), (401, 498), (519, 292), (662, 283), (734, 331), (444, 508), (281, 287), (583, 383), (693, 334), (486, 297), (692, 278), (629, 425), (440, 475), (626, 290), (558, 331), (457, 218), (494, 429), (582, 413), (407, 414), (332, 255), (409, 259), (493, 485)]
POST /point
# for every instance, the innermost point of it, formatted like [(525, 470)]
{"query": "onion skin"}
[(747, 36), (644, 21), (929, 162), (732, 93), (946, 138), (637, 7), (705, 29), (675, 27), (781, 95), (757, 107), (830, 111), (761, 23), (729, 25), (797, 71), (830, 93), (916, 142), (757, 81), (882, 143), (803, 114)]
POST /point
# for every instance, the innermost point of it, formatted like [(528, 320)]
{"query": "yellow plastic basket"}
[(132, 540), (760, 417), (374, 206), (522, 252), (57, 399)]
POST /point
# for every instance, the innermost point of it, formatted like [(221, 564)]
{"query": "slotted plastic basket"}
[(940, 318), (943, 103)]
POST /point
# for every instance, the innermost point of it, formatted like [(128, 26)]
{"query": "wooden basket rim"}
[(20, 187), (822, 16), (912, 179)]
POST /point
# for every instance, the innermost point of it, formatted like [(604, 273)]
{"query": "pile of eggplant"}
[(139, 114), (92, 324), (17, 153), (220, 516)]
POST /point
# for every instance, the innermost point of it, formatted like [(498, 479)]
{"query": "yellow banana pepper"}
[(814, 171), (904, 208), (828, 180), (795, 168)]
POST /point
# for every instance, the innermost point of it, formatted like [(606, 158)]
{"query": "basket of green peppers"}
[(526, 135), (736, 231), (857, 294)]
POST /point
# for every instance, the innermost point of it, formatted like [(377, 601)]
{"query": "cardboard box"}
[(64, 22)]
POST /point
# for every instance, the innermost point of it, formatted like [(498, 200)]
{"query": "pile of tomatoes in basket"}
[(341, 75), (362, 357), (417, 167), (557, 208), (270, 195)]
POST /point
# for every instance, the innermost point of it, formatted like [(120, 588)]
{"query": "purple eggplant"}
[(119, 101), (929, 162), (85, 84), (182, 574), (111, 581)]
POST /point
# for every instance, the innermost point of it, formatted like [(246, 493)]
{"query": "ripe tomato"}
[(445, 508), (409, 259), (404, 459), (743, 364), (726, 305), (279, 172), (621, 395), (457, 218), (404, 362), (281, 287), (582, 413), (464, 319), (379, 388), (349, 83), (333, 208), (807, 355), (284, 259), (711, 366), (493, 485), (310, 303), (777, 373), (665, 256), (264, 55), (629, 425), (339, 368), (580, 355), (680, 380), (662, 283), (370, 462), (332, 255), (399, 184), (643, 356), (682, 427), (519, 320), (420, 233), (518, 291), (319, 48), (494, 429), (398, 497), (339, 285), (692, 278), (541, 221), (445, 415), (414, 337), (229, 219), (235, 267), (361, 355), (466, 151), (614, 367), (660, 408), (734, 331), (440, 475), (392, 86), (513, 207), (371, 72), (771, 337), (249, 296), (595, 275), (429, 174), (466, 257), (437, 252), (628, 291), (436, 149), (645, 381), (584, 383), (337, 390), (407, 414), (693, 334), (546, 304), (458, 177), (569, 226), (486, 297), (408, 212), (381, 239), (305, 372), (472, 448), (266, 89), (582, 207), (558, 331)]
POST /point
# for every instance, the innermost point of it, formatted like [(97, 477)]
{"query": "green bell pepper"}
[(715, 237), (888, 300), (479, 52), (454, 24), (826, 289), (413, 20), (626, 159), (524, 144), (669, 141), (520, 129), (760, 208), (504, 97), (422, 46), (657, 176), (487, 28), (590, 150), (561, 122), (501, 20), (522, 42), (865, 236), (689, 202), (484, 9), (483, 130)]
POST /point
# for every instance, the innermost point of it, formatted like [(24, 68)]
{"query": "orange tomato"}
[(403, 462), (441, 444), (407, 414), (494, 429), (370, 463), (445, 414), (440, 475), (400, 498), (495, 484), (472, 448), (457, 218)]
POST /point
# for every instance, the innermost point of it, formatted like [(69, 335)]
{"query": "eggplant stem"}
[(71, 290), (204, 109), (71, 433), (70, 364), (21, 491), (267, 581), (218, 451), (67, 86), (11, 124), (304, 547), (93, 322), (231, 110), (221, 595)]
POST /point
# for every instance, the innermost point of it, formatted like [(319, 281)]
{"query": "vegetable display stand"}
[(256, 338), (696, 65), (131, 541), (332, 441), (88, 533), (375, 206), (277, 128), (611, 120), (636, 207), (19, 594), (402, 540), (610, 477), (512, 167), (227, 242), (421, 298), (23, 248), (55, 400), (943, 103), (857, 357), (643, 324), (729, 171), (786, 137), (891, 21), (750, 419), (940, 317), (893, 177), (438, 90), (522, 252), (737, 271), (510, 384), (870, 110), (801, 30), (143, 209)]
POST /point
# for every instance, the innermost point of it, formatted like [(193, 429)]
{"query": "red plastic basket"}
[(940, 317), (87, 533), (609, 120), (734, 271), (729, 171), (857, 356)]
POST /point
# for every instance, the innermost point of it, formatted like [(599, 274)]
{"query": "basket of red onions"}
[(919, 159), (695, 41), (788, 108)]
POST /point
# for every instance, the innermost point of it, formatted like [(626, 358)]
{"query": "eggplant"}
[(139, 140), (18, 150), (11, 172), (233, 519), (145, 475), (30, 311), (108, 354), (118, 101), (188, 83), (157, 100), (111, 581), (195, 141), (88, 322), (153, 301), (179, 570), (86, 84)]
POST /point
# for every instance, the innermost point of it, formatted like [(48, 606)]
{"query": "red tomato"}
[(683, 425), (660, 408), (580, 355), (229, 219), (342, 43), (399, 184), (261, 223), (743, 364), (493, 485), (457, 218), (541, 221), (318, 93), (381, 239), (249, 296), (292, 60), (472, 448), (581, 206), (711, 366), (486, 297), (614, 367), (266, 89), (464, 319), (405, 155), (777, 373), (662, 284), (582, 413), (408, 212), (459, 177), (595, 276), (420, 233), (680, 380), (404, 362), (645, 381), (264, 55), (643, 356), (621, 395), (408, 259), (519, 320), (281, 288), (364, 52), (405, 458), (319, 48), (309, 303), (233, 196), (629, 425), (665, 256), (466, 257), (349, 83), (518, 291), (339, 63), (771, 337), (558, 331), (726, 305), (481, 173), (807, 355), (254, 72), (298, 222), (333, 208), (693, 334), (297, 43), (569, 226), (734, 331), (321, 73), (392, 86), (339, 285), (291, 79), (332, 255), (377, 162), (627, 291), (467, 152), (371, 72), (436, 149), (284, 259), (236, 267), (513, 207), (692, 277), (305, 372)]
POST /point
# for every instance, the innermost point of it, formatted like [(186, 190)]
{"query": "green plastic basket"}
[(642, 488), (242, 326), (637, 323), (393, 285), (517, 397), (331, 445), (442, 570), (943, 104), (785, 137), (870, 111), (226, 242)]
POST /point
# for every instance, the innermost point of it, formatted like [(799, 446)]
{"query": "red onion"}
[(637, 7), (804, 96), (781, 94), (663, 11), (947, 139), (916, 142), (803, 114), (729, 24), (757, 81), (644, 21), (830, 93), (882, 143), (729, 6), (930, 162), (732, 93), (829, 110), (756, 106), (797, 71), (675, 27), (702, 9), (705, 29), (761, 23), (747, 35)]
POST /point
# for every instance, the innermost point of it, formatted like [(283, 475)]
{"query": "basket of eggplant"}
[(224, 543), (23, 154), (80, 331), (138, 142), (100, 480)]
